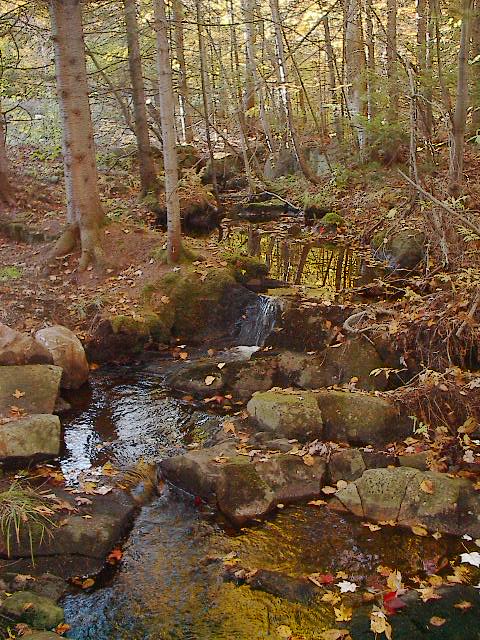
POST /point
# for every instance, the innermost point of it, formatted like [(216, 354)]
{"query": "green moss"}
[(333, 219), (187, 256), (246, 268), (378, 239), (146, 325), (275, 203), (150, 200), (10, 273), (194, 296)]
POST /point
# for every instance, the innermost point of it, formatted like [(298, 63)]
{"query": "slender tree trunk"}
[(475, 124), (457, 135), (167, 116), (425, 105), (248, 13), (370, 37), (355, 69), (183, 89), (337, 116), (84, 212), (148, 177), (205, 96), (6, 191), (308, 173), (393, 88)]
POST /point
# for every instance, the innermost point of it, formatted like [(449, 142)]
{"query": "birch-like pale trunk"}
[(183, 88), (459, 116), (167, 117), (355, 69), (332, 78), (475, 71), (84, 212), (248, 14), (148, 176), (371, 77), (392, 77), (280, 51)]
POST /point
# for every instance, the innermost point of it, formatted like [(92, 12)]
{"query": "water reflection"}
[(311, 262)]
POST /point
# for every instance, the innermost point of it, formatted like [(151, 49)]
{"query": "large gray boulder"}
[(361, 419), (412, 497), (18, 348), (32, 436), (32, 609), (403, 249), (67, 352), (37, 385), (287, 414)]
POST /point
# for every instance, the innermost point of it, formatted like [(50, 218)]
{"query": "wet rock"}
[(291, 479), (286, 414), (242, 494), (283, 586), (42, 635), (39, 385), (30, 437), (415, 460), (411, 497), (200, 378), (450, 505), (48, 586), (403, 249), (347, 464), (67, 352), (32, 609), (360, 419), (197, 471), (243, 379), (81, 545), (226, 167), (18, 348)]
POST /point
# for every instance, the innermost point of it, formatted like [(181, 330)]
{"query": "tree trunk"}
[(248, 13), (167, 116), (371, 78), (148, 177), (183, 89), (6, 191), (308, 173), (84, 211), (393, 89), (337, 116), (355, 69), (425, 105), (475, 124), (459, 117)]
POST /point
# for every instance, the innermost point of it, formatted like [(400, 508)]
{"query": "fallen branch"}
[(470, 314), (468, 223)]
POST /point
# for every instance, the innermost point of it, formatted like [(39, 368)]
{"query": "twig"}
[(470, 314), (443, 205)]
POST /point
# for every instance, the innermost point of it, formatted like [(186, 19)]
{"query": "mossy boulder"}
[(287, 414), (361, 419), (145, 325), (403, 249), (195, 297), (32, 609), (332, 219), (247, 268)]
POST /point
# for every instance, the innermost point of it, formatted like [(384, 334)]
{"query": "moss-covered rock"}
[(32, 609), (286, 414), (246, 268), (146, 325), (332, 219), (403, 249)]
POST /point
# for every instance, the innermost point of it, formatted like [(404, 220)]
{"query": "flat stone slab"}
[(38, 384), (33, 436)]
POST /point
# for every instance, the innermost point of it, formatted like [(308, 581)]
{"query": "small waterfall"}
[(258, 321)]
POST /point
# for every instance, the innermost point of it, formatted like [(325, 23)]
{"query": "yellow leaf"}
[(164, 299), (316, 503), (371, 526), (229, 427), (335, 634), (463, 605), (330, 597), (329, 490), (308, 460), (437, 621), (394, 581), (18, 394), (379, 623), (343, 613), (426, 486), (418, 530), (284, 632)]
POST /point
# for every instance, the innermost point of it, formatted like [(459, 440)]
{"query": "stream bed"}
[(170, 583)]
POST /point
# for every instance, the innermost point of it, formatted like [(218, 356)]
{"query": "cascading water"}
[(258, 321)]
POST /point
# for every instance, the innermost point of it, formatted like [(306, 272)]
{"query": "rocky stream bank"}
[(268, 432)]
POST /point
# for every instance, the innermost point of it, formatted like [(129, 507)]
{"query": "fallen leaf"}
[(82, 501), (316, 503), (115, 556), (379, 623), (284, 632), (335, 634), (343, 613), (330, 597), (102, 491), (463, 605), (18, 394), (329, 490), (437, 621), (321, 579), (472, 558), (418, 530), (229, 427), (428, 593), (209, 380), (371, 526), (164, 299), (308, 460), (220, 365), (62, 628), (460, 575), (394, 581), (346, 586), (426, 486)]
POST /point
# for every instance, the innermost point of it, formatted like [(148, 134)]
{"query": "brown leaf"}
[(426, 486), (437, 621)]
